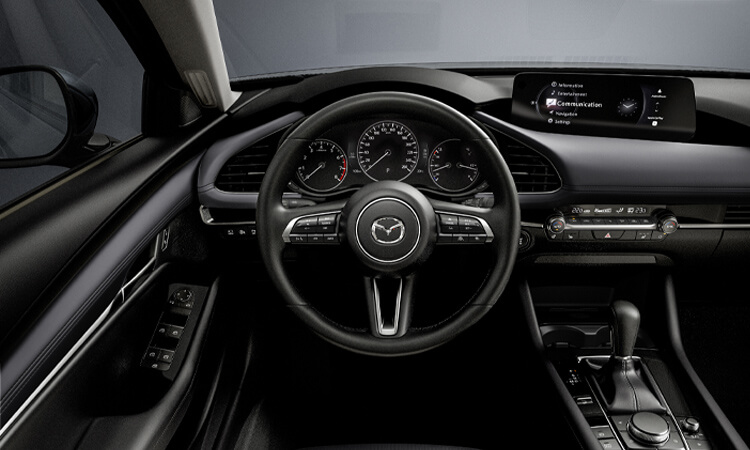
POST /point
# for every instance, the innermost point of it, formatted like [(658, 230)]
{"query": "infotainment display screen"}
[(645, 107)]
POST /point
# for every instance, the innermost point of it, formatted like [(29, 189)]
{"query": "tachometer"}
[(387, 151), (323, 166), (453, 165)]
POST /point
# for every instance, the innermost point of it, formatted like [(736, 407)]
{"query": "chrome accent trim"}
[(416, 243), (288, 229), (60, 365), (381, 328), (715, 226), (569, 226), (487, 229), (532, 225), (120, 299), (124, 289), (208, 219)]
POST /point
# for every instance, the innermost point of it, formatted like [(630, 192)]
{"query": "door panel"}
[(66, 252)]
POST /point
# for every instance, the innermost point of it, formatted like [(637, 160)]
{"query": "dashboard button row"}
[(608, 235)]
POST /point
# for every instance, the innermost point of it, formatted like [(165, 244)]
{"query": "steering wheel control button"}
[(469, 225), (448, 223), (461, 229), (319, 229), (648, 428), (306, 225)]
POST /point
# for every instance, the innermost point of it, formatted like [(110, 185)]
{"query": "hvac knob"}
[(668, 224), (556, 224)]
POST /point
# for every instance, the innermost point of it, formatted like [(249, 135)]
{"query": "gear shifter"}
[(625, 322), (620, 380)]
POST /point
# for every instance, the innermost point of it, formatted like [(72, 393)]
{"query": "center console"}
[(618, 365), (623, 403)]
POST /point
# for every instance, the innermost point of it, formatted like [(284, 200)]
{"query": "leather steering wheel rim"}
[(503, 218)]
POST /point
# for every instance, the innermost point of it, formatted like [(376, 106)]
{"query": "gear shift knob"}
[(625, 322)]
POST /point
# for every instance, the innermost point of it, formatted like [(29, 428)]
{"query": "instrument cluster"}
[(365, 151)]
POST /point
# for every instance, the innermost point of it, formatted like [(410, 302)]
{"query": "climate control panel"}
[(611, 223)]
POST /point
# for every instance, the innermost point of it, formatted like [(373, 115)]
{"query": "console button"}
[(570, 236), (315, 239), (602, 432), (658, 236), (643, 236), (628, 235), (608, 234), (609, 444)]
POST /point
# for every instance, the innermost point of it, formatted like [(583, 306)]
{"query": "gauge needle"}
[(442, 167), (628, 106), (320, 166), (462, 166), (387, 153)]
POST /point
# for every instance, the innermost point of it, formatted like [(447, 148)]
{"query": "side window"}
[(78, 39)]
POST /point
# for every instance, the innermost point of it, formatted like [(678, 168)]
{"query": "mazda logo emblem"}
[(388, 230)]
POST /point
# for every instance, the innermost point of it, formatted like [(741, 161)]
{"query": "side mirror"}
[(46, 117)]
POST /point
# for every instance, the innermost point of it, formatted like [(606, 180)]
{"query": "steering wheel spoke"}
[(389, 305), (461, 224)]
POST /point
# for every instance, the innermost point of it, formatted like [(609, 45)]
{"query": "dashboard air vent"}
[(244, 171), (737, 214), (531, 171)]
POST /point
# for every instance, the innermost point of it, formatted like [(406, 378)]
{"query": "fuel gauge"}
[(453, 165)]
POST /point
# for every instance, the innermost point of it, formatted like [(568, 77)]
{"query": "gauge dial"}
[(627, 107), (387, 151), (323, 166), (453, 165)]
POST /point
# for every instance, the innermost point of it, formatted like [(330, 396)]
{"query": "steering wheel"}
[(391, 227)]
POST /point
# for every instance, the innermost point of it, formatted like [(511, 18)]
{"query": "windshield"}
[(263, 37)]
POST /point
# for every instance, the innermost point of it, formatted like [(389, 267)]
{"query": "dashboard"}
[(689, 172), (387, 148)]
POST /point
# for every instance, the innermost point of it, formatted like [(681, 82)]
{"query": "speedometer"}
[(387, 151)]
